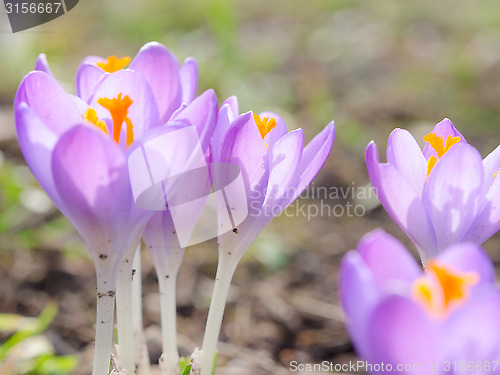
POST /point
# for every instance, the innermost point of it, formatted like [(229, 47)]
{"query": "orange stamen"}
[(113, 63), (91, 116), (264, 125), (118, 108), (440, 146), (443, 288)]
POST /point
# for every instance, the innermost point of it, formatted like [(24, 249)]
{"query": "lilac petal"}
[(358, 295), (471, 331), (42, 64), (88, 77), (91, 177), (202, 114), (404, 153), (49, 101), (491, 165), (487, 222), (37, 141), (244, 147), (454, 193), (442, 129), (160, 68), (400, 332), (277, 132), (469, 257), (189, 80), (314, 157), (224, 120), (388, 259), (284, 160), (163, 244), (232, 101), (143, 112), (401, 203)]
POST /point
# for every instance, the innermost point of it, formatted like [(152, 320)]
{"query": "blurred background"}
[(369, 65)]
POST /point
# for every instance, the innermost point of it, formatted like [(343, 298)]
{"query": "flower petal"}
[(143, 112), (42, 64), (314, 157), (91, 177), (491, 165), (442, 129), (160, 68), (471, 331), (284, 160), (224, 120), (243, 146), (358, 295), (88, 77), (401, 203), (189, 80), (277, 132), (49, 101), (232, 101), (469, 257), (487, 222), (400, 332), (202, 114), (388, 259), (454, 193), (404, 153), (37, 141)]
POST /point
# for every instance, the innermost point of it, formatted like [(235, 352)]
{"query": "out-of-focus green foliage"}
[(27, 351)]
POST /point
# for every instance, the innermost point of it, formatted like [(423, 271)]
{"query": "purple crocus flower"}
[(442, 195), (407, 321), (275, 165), (276, 169), (77, 148)]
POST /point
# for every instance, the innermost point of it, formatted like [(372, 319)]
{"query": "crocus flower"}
[(77, 148), (407, 321), (442, 195), (276, 168)]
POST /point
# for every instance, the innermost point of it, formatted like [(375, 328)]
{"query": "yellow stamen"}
[(118, 108), (496, 174), (443, 288), (440, 146), (113, 63), (91, 116), (264, 125)]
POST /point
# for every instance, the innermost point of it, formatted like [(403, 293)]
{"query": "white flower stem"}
[(142, 356), (225, 271), (124, 317), (170, 357), (137, 291), (104, 326)]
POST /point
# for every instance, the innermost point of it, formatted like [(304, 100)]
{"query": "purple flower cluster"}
[(77, 147), (443, 319)]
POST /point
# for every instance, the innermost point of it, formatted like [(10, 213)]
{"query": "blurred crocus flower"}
[(442, 195), (440, 320), (276, 169), (77, 148)]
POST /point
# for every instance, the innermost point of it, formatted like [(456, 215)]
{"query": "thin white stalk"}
[(142, 363), (170, 356), (126, 350), (104, 326), (225, 271), (137, 291)]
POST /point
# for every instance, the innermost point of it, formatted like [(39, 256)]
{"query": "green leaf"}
[(187, 370), (34, 328), (50, 365), (215, 363)]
